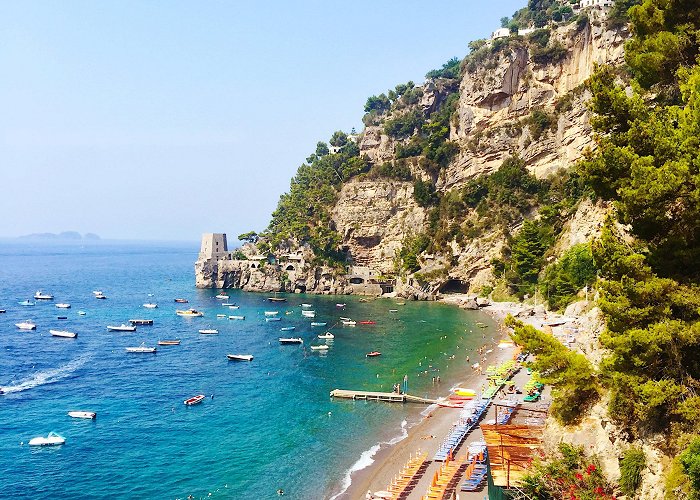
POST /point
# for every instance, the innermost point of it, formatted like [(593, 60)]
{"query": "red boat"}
[(366, 322), (195, 400), (373, 354), (454, 397)]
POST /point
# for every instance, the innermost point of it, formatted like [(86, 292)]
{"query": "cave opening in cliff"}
[(301, 287), (356, 280), (454, 286)]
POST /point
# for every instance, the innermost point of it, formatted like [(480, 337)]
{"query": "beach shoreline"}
[(429, 432)]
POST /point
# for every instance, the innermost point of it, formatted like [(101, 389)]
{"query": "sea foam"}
[(366, 459), (48, 376)]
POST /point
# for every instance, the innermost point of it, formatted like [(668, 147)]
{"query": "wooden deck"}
[(390, 397)]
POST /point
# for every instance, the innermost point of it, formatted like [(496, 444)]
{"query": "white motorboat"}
[(82, 313), (26, 303), (272, 318), (142, 348), (271, 313), (318, 323), (63, 333), (39, 295), (121, 328), (322, 347), (306, 305), (82, 414), (222, 296), (63, 305), (349, 323), (150, 305), (209, 331), (288, 328), (292, 340), (26, 325), (188, 313), (52, 439), (345, 319), (327, 335), (308, 314), (220, 315), (234, 307), (227, 304), (240, 357), (237, 317), (100, 296)]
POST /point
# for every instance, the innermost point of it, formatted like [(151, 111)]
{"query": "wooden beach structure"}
[(389, 397)]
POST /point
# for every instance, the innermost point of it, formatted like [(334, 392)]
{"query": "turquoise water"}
[(270, 423)]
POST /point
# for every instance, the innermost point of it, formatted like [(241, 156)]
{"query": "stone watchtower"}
[(214, 248)]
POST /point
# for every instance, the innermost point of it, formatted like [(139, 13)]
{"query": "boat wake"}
[(366, 459), (48, 376)]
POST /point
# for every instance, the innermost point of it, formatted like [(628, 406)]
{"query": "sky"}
[(163, 120)]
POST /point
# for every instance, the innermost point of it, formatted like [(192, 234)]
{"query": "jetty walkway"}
[(391, 397)]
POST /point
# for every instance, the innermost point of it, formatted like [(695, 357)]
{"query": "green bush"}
[(404, 125), (540, 121), (631, 466), (563, 279), (451, 69)]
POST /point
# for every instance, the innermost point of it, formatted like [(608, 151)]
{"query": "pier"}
[(390, 397), (135, 322)]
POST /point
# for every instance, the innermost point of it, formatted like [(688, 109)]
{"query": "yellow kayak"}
[(464, 392)]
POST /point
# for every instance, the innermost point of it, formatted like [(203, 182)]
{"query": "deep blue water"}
[(270, 423)]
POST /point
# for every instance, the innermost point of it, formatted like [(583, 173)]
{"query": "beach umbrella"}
[(435, 479)]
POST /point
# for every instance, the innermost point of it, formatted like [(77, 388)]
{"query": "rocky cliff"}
[(512, 101)]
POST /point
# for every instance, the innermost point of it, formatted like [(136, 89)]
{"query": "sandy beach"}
[(429, 433)]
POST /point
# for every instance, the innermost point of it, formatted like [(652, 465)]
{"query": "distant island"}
[(65, 235)]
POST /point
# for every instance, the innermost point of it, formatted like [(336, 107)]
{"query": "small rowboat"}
[(319, 347), (340, 305), (373, 354), (169, 342), (26, 303), (287, 328), (52, 439), (234, 306), (273, 318), (237, 317), (181, 301), (63, 333), (82, 414), (367, 322), (222, 296), (61, 317), (345, 319), (460, 391), (195, 400), (240, 357), (220, 315), (277, 299), (82, 313), (327, 335), (63, 305), (209, 331), (150, 305), (454, 397), (349, 323), (446, 404), (271, 313), (293, 340), (318, 323)]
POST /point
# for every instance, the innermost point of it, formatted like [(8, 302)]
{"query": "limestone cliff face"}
[(373, 217)]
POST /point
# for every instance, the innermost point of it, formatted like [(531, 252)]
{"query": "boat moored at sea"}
[(368, 322), (26, 303), (52, 439), (39, 295), (272, 318), (321, 347), (82, 414), (349, 323), (306, 305), (142, 348), (169, 342), (240, 357), (288, 328), (189, 313), (240, 318), (222, 296), (62, 305), (291, 340), (141, 322), (327, 335), (318, 323), (121, 328), (81, 313), (181, 301), (209, 331), (100, 296), (373, 354), (194, 400), (271, 313), (64, 334), (150, 305), (308, 314), (26, 325)]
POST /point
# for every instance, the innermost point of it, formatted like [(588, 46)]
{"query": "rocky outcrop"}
[(373, 218)]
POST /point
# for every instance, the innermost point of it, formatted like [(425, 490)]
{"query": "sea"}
[(265, 425)]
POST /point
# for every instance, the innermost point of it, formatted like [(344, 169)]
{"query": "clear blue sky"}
[(166, 119)]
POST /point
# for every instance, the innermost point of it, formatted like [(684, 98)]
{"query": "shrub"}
[(450, 69), (551, 54), (563, 279), (690, 461), (424, 193), (539, 121), (631, 465), (403, 125), (378, 103)]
